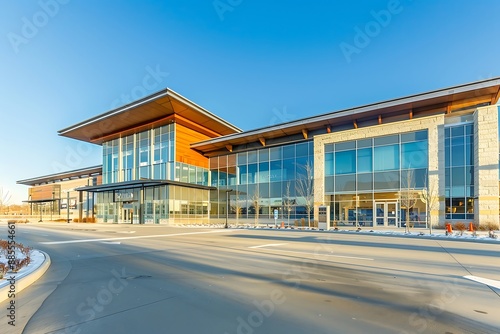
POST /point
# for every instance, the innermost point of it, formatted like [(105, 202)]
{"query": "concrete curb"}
[(28, 278)]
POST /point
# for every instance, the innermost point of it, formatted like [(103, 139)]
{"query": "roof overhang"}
[(64, 176), (140, 184), (161, 108), (448, 100), (41, 200)]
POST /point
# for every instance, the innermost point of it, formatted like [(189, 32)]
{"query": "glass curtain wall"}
[(162, 204), (459, 173), (262, 181), (365, 179), (148, 155)]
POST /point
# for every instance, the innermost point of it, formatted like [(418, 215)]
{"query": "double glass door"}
[(386, 213)]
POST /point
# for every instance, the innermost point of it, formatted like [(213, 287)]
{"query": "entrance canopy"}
[(139, 184)]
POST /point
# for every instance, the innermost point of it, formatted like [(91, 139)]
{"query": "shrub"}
[(488, 226), (492, 226), (302, 222), (4, 268), (18, 221), (460, 227), (18, 263)]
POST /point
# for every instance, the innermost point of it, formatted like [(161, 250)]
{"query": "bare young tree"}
[(305, 188), (237, 207), (255, 198), (288, 202), (430, 196), (408, 196), (4, 199)]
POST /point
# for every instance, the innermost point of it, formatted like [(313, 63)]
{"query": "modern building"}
[(55, 196), (168, 160)]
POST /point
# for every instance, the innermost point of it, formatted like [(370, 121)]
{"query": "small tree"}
[(5, 196), (305, 188), (256, 203), (408, 195), (237, 207), (288, 202), (429, 195)]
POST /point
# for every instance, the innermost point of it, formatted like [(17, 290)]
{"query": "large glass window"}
[(459, 171), (345, 162), (365, 160), (386, 157), (267, 179), (414, 154), (359, 173)]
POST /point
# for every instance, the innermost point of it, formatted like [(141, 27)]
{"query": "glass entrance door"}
[(127, 215), (386, 214)]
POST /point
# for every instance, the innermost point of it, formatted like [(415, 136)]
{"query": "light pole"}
[(67, 206), (52, 205), (227, 205)]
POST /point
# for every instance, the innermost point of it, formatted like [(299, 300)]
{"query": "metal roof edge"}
[(82, 170), (356, 110)]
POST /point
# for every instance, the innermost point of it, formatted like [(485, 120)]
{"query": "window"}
[(364, 160), (386, 157), (345, 162), (414, 155)]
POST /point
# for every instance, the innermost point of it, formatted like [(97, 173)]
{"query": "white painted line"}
[(128, 238), (329, 255), (268, 245), (111, 242), (486, 281)]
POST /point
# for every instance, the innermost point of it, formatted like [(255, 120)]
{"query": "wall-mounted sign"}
[(124, 195)]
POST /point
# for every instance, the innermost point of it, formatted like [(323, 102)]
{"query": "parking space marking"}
[(486, 281), (129, 238), (268, 245)]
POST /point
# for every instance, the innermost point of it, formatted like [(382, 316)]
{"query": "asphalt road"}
[(154, 279)]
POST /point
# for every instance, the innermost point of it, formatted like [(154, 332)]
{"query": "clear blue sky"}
[(253, 63)]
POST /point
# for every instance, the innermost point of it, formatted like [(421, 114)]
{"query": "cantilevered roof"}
[(448, 100), (69, 175), (154, 110), (140, 184)]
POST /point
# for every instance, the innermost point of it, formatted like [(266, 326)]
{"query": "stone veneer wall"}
[(435, 127), (486, 176)]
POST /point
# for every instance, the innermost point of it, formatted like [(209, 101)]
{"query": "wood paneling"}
[(44, 192), (185, 136)]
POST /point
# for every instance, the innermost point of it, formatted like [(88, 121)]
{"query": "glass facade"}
[(160, 204), (262, 181), (150, 155), (364, 178), (459, 172)]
